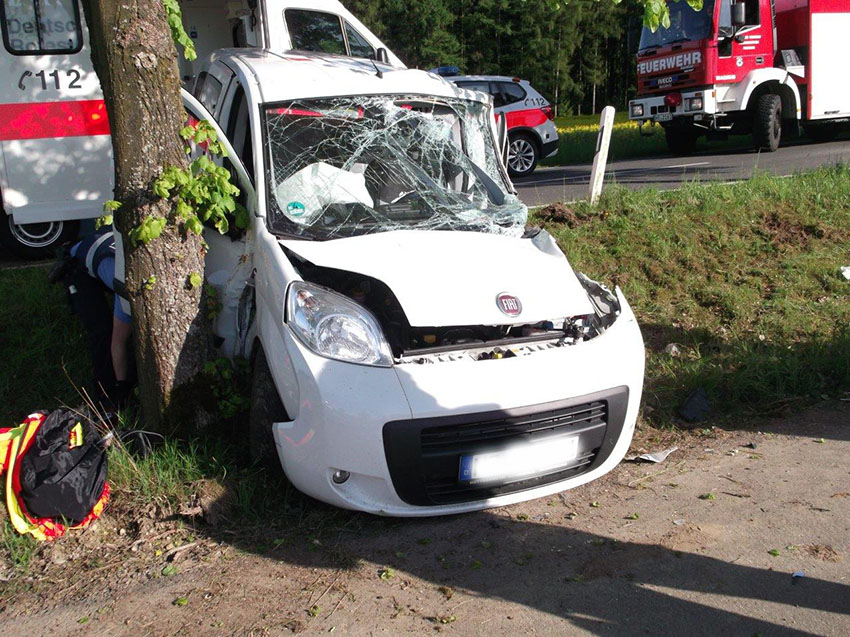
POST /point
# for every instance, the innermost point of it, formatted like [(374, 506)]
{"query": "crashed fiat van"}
[(417, 350)]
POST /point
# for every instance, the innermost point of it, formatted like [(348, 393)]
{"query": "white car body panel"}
[(424, 262), (829, 55)]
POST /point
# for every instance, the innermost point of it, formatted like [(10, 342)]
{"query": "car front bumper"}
[(369, 421)]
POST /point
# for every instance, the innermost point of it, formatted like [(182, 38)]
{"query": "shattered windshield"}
[(686, 25), (348, 166)]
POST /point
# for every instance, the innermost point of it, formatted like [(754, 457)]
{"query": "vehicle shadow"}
[(747, 375), (590, 581)]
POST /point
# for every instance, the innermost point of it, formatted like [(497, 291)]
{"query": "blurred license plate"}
[(664, 117), (519, 461)]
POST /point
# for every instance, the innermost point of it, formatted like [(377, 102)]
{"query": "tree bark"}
[(135, 59)]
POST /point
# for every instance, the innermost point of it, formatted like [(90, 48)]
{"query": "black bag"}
[(63, 472)]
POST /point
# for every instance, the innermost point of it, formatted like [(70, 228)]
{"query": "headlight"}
[(336, 327), (637, 110), (694, 104)]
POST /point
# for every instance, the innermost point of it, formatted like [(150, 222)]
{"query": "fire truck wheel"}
[(266, 409), (680, 140), (36, 240), (522, 155), (767, 127)]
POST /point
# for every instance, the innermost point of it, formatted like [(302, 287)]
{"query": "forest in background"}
[(578, 57)]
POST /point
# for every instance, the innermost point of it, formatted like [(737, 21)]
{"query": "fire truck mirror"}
[(739, 14)]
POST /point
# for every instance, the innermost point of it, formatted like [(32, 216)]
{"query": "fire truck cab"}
[(55, 149), (754, 66)]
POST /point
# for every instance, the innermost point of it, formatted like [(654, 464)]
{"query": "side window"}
[(238, 131), (498, 97), (513, 92), (315, 31), (484, 87), (357, 46), (37, 27), (208, 92)]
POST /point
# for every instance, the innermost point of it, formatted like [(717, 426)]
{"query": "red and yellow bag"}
[(55, 474)]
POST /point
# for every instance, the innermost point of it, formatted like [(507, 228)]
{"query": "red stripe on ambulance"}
[(42, 120)]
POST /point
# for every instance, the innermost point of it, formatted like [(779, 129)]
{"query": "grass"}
[(578, 135), (745, 278), (42, 346)]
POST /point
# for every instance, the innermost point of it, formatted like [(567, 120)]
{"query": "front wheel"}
[(522, 155), (767, 127), (36, 240), (266, 409)]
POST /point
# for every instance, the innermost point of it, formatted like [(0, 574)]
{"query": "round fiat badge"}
[(509, 304)]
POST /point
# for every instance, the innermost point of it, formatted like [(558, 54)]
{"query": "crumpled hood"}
[(444, 278)]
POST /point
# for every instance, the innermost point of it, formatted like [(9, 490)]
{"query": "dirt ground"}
[(707, 542)]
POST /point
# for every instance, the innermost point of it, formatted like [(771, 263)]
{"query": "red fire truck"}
[(763, 67)]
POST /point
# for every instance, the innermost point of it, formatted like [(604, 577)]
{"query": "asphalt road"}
[(570, 183)]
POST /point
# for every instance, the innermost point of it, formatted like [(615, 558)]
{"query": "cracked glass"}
[(349, 166)]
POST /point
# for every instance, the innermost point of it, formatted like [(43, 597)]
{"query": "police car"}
[(532, 134)]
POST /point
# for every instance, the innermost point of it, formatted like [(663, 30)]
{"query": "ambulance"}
[(55, 149)]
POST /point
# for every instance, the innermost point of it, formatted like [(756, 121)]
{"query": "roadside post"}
[(603, 140)]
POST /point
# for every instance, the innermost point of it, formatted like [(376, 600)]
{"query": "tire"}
[(266, 409), (523, 155), (822, 133), (767, 126), (681, 140), (36, 240)]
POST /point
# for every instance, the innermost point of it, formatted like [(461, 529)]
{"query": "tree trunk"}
[(135, 58)]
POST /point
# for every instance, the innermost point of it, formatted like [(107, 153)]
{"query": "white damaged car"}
[(417, 351)]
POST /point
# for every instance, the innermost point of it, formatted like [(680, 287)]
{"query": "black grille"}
[(424, 455)]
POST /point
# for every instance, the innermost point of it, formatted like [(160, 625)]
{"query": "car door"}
[(229, 262)]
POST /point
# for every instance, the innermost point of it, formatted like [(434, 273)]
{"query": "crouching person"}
[(88, 273)]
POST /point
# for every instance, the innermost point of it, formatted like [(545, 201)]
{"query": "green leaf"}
[(150, 282), (105, 220), (180, 601), (168, 570), (708, 496), (314, 610), (195, 280), (111, 205), (386, 573), (773, 552), (178, 33), (147, 231), (222, 225), (193, 224)]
